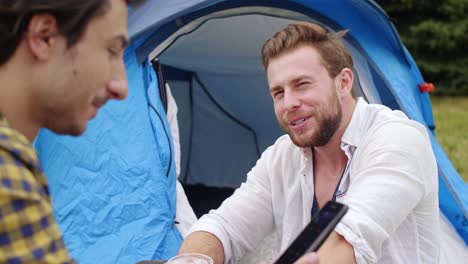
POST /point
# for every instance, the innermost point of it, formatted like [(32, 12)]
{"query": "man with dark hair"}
[(337, 147), (60, 61)]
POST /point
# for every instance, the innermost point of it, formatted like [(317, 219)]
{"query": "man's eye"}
[(278, 93), (113, 52)]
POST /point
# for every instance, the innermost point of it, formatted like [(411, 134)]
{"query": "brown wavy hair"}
[(334, 54)]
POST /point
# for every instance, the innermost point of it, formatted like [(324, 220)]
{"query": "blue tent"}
[(113, 188)]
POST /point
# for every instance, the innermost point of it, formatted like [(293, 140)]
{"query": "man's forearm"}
[(336, 250), (204, 243)]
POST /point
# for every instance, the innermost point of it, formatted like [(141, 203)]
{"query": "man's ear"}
[(346, 79), (41, 36)]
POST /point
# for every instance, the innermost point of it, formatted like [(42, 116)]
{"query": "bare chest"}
[(326, 182)]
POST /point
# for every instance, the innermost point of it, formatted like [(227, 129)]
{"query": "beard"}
[(328, 119)]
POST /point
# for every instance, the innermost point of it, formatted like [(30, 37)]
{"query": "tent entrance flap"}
[(217, 147)]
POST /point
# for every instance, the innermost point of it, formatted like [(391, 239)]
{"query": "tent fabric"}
[(113, 188)]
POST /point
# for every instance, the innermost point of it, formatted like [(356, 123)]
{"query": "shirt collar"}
[(353, 134), (17, 144)]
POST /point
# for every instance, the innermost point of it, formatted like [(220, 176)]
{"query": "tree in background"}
[(436, 34)]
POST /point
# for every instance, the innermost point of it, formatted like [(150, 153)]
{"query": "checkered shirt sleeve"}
[(28, 231)]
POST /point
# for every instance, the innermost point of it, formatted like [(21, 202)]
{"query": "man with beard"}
[(338, 147), (60, 62)]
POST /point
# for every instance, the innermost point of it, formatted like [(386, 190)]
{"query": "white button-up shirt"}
[(390, 186)]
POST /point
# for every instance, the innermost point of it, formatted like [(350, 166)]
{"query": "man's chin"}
[(79, 130), (72, 130), (308, 142)]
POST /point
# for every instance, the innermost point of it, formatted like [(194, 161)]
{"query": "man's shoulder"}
[(379, 118), (392, 132), (27, 225), (395, 124), (18, 180), (15, 147), (11, 138), (381, 113)]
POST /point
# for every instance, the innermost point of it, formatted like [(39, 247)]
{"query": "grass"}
[(451, 120)]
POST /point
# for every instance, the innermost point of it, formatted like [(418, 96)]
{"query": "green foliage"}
[(451, 128), (436, 34)]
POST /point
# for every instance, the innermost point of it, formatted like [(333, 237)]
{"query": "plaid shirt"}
[(28, 231)]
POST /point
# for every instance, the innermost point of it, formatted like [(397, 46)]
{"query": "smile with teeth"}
[(298, 122)]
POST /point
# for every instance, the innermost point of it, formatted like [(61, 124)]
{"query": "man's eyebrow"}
[(301, 78), (275, 88)]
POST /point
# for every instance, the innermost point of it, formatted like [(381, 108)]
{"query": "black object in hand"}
[(315, 233)]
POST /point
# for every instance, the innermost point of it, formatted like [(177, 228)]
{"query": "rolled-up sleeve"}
[(391, 174), (243, 219)]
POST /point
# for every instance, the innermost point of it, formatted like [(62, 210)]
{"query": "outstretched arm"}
[(204, 243)]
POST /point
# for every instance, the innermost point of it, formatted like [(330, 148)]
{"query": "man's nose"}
[(291, 100), (118, 85)]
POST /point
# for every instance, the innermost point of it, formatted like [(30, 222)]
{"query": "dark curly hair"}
[(72, 18)]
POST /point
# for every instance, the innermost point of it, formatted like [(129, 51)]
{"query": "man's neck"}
[(14, 102), (329, 163), (331, 155)]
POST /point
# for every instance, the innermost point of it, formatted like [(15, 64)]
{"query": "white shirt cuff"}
[(208, 224)]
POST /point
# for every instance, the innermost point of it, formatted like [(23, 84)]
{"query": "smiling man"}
[(60, 61), (337, 147)]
